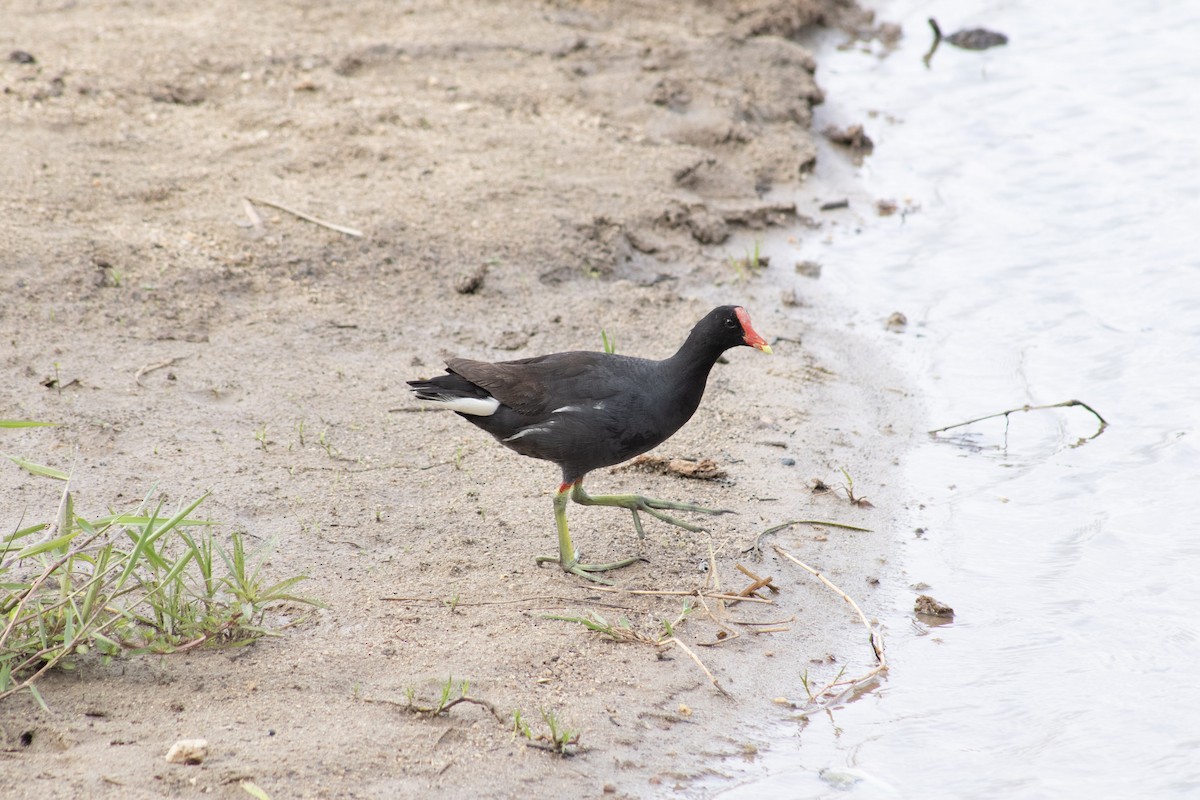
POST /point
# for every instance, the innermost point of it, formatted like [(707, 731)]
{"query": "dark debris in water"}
[(967, 39), (927, 606)]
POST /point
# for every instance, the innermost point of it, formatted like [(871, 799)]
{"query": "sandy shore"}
[(524, 175)]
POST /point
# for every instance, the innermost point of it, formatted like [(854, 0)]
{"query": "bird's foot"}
[(652, 506), (587, 570)]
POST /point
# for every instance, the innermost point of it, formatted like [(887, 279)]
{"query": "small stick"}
[(776, 629), (730, 634), (449, 705), (754, 587), (148, 368), (757, 546), (873, 636), (792, 618), (696, 658), (851, 684), (535, 599), (308, 218), (690, 593), (1064, 404), (713, 579), (752, 576)]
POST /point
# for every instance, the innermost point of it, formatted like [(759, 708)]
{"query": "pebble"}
[(788, 462), (188, 751)]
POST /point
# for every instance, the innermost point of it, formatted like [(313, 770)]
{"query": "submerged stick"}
[(333, 226), (1027, 407), (937, 39)]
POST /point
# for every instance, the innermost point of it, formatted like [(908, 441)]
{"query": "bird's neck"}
[(692, 362)]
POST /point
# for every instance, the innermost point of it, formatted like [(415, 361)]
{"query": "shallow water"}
[(1054, 253)]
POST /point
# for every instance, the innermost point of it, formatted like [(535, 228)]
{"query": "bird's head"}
[(750, 336)]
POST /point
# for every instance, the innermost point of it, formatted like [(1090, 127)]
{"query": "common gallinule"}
[(586, 410)]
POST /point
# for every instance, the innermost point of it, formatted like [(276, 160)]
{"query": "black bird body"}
[(605, 408), (586, 410)]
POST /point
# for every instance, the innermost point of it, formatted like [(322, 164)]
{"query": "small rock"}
[(177, 95), (348, 66), (188, 751), (927, 606), (897, 321), (22, 57), (788, 462), (471, 282), (707, 228), (809, 269), (855, 137), (839, 779)]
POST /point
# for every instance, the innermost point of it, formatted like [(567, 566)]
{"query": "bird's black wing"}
[(537, 386)]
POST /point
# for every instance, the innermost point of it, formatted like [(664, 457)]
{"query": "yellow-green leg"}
[(568, 556), (636, 503)]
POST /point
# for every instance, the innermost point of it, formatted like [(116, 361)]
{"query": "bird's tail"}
[(468, 399)]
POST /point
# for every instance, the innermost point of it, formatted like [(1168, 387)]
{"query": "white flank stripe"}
[(565, 408), (525, 431), (475, 406)]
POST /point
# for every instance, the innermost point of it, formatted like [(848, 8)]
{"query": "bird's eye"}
[(731, 323)]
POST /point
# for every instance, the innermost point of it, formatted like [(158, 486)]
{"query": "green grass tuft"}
[(608, 343), (125, 584)]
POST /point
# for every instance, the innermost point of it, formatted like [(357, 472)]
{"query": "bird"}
[(584, 410)]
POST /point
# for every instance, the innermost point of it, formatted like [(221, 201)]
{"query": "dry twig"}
[(687, 593), (441, 601), (696, 658), (333, 226), (875, 638), (730, 634), (873, 635), (763, 582), (148, 368), (431, 711), (756, 548)]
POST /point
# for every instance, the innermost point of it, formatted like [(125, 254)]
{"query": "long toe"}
[(590, 571), (651, 502)]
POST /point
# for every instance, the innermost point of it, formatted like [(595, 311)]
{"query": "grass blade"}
[(53, 544), (138, 520), (37, 469)]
